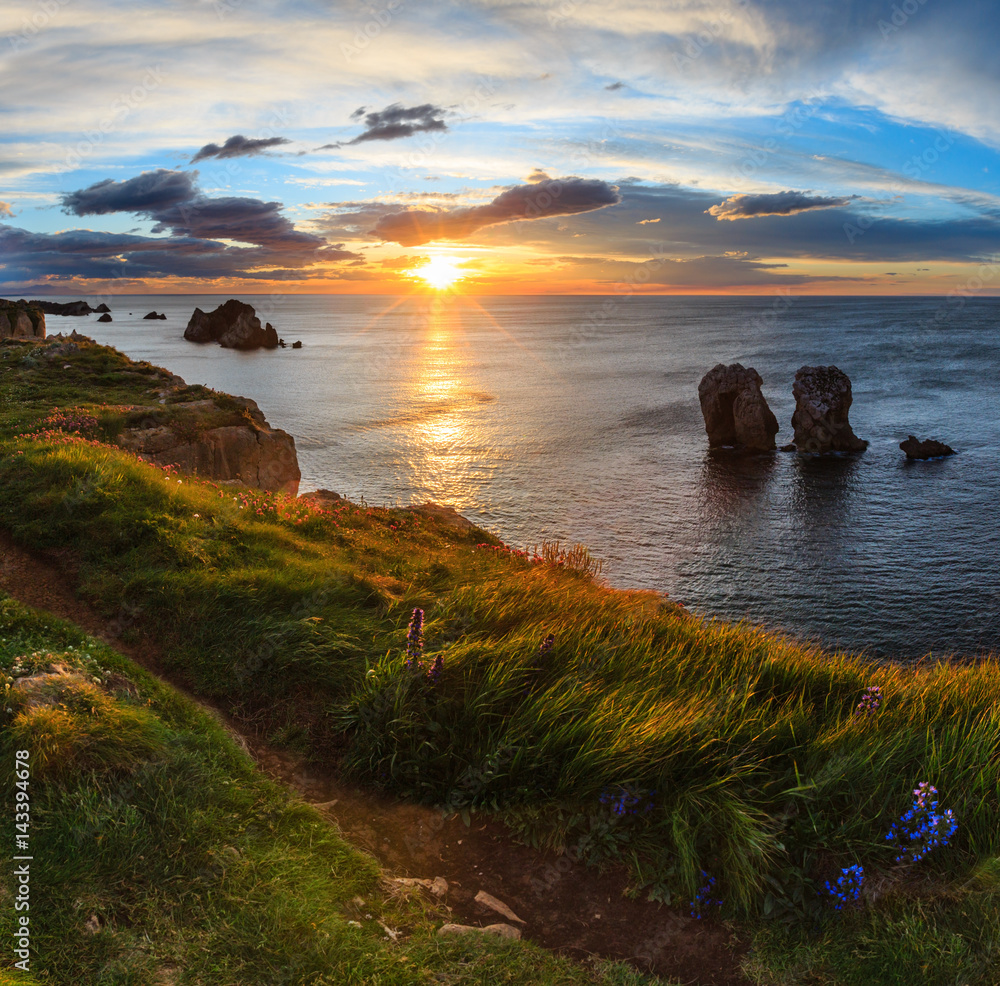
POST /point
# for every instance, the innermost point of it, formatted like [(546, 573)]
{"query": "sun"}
[(440, 272)]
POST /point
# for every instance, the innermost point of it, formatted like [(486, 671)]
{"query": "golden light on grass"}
[(440, 272)]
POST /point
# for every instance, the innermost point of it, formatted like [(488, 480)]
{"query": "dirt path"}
[(565, 906)]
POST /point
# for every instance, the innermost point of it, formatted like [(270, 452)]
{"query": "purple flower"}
[(434, 671), (415, 640), (870, 701)]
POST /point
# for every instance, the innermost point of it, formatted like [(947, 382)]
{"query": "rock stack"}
[(822, 401), (234, 325), (735, 411)]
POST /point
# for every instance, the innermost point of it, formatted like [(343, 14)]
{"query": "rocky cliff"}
[(21, 320), (222, 443), (162, 419)]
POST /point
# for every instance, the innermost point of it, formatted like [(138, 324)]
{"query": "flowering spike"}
[(415, 640)]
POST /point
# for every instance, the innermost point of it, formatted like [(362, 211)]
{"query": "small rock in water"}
[(929, 448)]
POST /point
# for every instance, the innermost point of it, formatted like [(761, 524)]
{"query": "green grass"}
[(762, 774), (146, 816)]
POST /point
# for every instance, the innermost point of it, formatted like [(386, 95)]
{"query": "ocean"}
[(576, 419)]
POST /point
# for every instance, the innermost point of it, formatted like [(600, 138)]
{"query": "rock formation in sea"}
[(155, 315), (65, 307), (929, 448), (21, 320), (734, 408), (105, 318), (822, 402), (234, 325)]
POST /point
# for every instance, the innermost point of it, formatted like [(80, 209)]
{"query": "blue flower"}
[(703, 898), (625, 800), (847, 889), (923, 826)]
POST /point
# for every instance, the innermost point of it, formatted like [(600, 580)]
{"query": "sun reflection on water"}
[(447, 434)]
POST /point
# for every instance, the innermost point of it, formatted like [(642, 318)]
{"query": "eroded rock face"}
[(929, 448), (234, 325), (251, 452), (21, 320), (822, 402), (735, 410)]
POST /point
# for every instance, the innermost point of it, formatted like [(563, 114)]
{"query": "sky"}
[(767, 147)]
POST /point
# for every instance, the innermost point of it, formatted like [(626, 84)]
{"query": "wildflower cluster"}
[(70, 419), (847, 889), (502, 549), (626, 800), (65, 426), (415, 649), (703, 899), (547, 644), (870, 701), (922, 828)]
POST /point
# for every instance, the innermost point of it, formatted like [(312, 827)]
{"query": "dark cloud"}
[(615, 86), (396, 121), (775, 204), (539, 200), (173, 201), (687, 231), (85, 254), (148, 192), (206, 238), (239, 146)]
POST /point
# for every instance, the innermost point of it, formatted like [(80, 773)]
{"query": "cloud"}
[(88, 254), (239, 146), (539, 200), (644, 222), (173, 201), (615, 86), (775, 204), (538, 175), (5, 211), (396, 121), (205, 238), (148, 192)]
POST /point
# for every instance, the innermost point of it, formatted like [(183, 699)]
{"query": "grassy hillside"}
[(162, 857), (693, 751)]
